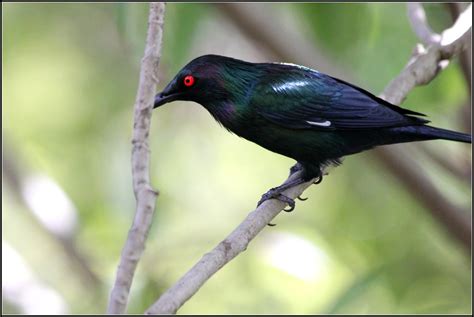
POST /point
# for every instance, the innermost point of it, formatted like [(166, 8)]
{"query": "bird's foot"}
[(275, 193), (295, 168)]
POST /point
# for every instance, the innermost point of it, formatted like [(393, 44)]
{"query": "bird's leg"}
[(276, 193), (295, 168)]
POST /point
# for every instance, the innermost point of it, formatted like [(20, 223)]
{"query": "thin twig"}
[(465, 58), (420, 70), (455, 9), (423, 68), (429, 61), (460, 30), (417, 17), (144, 193)]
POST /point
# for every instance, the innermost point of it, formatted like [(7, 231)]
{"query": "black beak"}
[(167, 95), (160, 99)]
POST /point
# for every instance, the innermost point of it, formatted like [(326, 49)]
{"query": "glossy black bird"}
[(296, 111)]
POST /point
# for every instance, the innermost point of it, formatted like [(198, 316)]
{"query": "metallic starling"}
[(298, 112)]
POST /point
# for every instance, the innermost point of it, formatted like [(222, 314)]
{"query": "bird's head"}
[(209, 79)]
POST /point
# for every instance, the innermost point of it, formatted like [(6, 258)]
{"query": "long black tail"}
[(438, 133), (425, 132)]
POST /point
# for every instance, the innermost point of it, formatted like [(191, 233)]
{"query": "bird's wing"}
[(311, 100)]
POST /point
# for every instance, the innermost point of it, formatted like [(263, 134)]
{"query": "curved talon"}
[(289, 209), (319, 180), (271, 224), (301, 198)]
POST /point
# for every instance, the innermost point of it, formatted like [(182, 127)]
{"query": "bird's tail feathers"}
[(439, 133), (425, 132)]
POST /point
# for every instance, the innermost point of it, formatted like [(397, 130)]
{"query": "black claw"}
[(288, 200), (271, 224), (319, 180), (301, 198)]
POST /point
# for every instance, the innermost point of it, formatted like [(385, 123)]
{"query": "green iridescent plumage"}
[(297, 112)]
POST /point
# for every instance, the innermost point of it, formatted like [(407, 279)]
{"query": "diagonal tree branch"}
[(224, 252), (421, 69), (144, 193)]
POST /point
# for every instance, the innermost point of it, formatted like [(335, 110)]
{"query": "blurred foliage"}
[(69, 82)]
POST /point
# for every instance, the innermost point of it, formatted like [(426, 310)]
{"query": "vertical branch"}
[(144, 193)]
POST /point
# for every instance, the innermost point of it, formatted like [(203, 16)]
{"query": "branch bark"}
[(430, 61), (455, 9), (417, 17), (465, 58), (421, 69), (225, 251), (144, 193)]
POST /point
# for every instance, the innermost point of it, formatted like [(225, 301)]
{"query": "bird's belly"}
[(311, 146), (301, 145)]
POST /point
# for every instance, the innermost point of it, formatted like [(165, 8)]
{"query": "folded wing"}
[(298, 98)]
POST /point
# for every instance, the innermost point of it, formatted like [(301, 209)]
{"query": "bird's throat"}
[(224, 112)]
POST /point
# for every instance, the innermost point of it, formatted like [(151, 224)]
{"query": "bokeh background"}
[(362, 243)]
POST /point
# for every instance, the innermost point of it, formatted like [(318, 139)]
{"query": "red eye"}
[(188, 81)]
